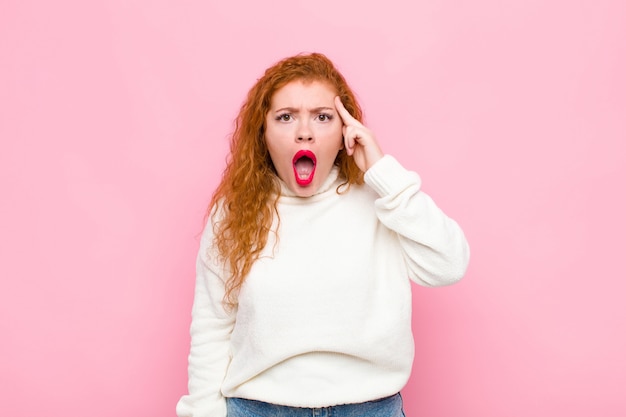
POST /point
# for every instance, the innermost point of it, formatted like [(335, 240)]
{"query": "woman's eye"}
[(324, 117), (284, 117)]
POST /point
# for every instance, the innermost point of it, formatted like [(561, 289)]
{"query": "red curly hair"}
[(244, 204)]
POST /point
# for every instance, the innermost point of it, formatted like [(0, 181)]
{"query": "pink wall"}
[(113, 121)]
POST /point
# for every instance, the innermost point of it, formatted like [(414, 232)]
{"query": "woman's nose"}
[(304, 133)]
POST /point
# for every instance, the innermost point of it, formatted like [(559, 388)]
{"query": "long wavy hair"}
[(243, 206)]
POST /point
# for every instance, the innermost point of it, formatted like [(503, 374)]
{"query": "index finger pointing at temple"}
[(345, 114)]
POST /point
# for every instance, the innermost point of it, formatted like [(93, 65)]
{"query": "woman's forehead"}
[(304, 91)]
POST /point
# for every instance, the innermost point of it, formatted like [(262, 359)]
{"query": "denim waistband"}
[(385, 407)]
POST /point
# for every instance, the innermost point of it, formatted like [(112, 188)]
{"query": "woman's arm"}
[(211, 327), (433, 244)]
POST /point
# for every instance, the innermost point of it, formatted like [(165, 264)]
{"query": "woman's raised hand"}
[(359, 141)]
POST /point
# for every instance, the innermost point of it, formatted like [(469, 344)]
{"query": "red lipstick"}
[(304, 163)]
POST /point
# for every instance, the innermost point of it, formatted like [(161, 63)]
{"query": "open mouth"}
[(304, 162)]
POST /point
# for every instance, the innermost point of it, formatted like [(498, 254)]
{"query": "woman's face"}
[(303, 134)]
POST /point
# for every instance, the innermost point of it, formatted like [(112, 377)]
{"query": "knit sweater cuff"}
[(388, 177)]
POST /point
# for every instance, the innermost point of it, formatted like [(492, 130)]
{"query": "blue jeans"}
[(384, 407)]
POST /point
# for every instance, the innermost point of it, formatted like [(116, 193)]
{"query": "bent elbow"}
[(444, 270)]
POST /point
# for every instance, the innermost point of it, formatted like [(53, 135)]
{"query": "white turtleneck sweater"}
[(324, 316)]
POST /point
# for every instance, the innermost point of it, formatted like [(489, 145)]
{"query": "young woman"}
[(303, 301)]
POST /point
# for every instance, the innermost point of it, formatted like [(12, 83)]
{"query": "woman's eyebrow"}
[(319, 109), (289, 109)]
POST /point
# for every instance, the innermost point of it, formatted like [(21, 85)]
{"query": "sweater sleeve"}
[(433, 244), (211, 327)]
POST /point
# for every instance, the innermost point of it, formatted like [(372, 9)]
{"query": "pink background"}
[(113, 120)]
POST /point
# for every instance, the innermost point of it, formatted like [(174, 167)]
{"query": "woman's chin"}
[(304, 190)]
